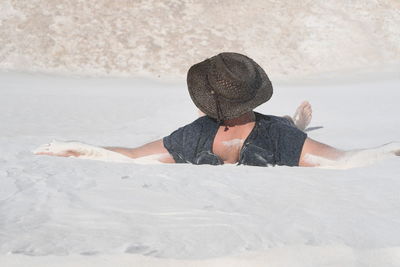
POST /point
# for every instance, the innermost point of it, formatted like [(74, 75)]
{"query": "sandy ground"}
[(72, 212)]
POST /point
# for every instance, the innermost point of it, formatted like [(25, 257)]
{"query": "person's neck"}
[(241, 120)]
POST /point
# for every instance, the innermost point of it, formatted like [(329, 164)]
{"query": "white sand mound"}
[(74, 212)]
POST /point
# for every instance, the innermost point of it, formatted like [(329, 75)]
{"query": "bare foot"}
[(200, 113), (302, 116)]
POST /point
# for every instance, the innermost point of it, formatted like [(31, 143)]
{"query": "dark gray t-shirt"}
[(273, 141)]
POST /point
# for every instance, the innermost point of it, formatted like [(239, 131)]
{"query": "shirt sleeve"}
[(289, 144), (182, 143)]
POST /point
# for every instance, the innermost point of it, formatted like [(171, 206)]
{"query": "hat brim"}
[(200, 92)]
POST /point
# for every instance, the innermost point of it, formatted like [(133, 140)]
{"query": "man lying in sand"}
[(226, 88)]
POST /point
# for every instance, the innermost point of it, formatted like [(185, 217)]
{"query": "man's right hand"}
[(60, 149)]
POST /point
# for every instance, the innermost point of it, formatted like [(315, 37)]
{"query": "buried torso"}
[(263, 141)]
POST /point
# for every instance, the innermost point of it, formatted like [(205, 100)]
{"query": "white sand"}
[(235, 143), (73, 212)]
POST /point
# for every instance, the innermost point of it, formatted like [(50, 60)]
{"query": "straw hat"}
[(228, 85)]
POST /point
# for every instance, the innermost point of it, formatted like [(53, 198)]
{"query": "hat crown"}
[(234, 77), (228, 85)]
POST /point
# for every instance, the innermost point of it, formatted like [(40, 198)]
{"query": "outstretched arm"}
[(149, 153), (316, 154), (154, 149)]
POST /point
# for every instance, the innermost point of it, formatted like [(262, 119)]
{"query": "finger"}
[(42, 148), (45, 153), (58, 154)]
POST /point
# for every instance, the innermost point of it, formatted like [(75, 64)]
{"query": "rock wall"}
[(163, 38)]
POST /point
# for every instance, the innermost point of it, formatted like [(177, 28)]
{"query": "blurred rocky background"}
[(163, 38)]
